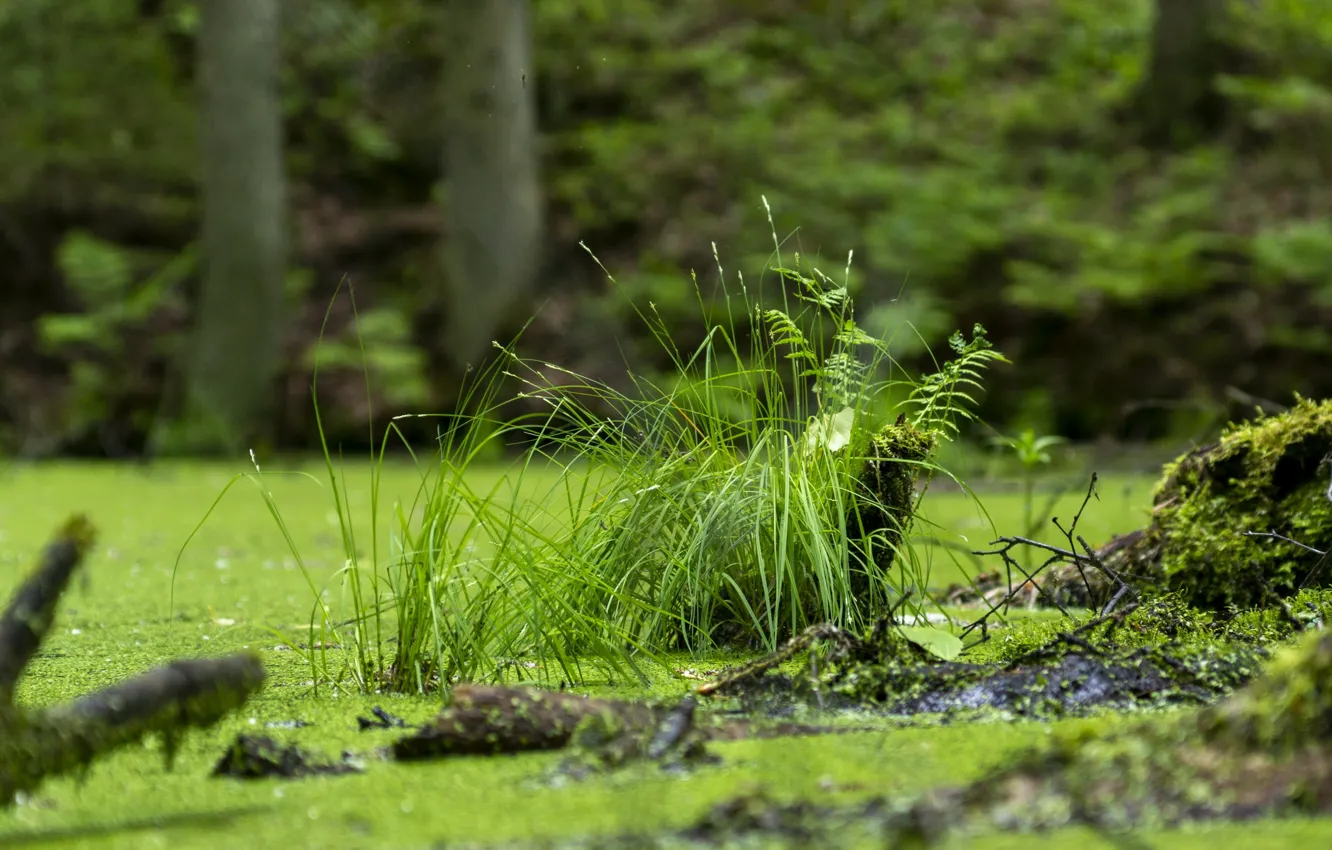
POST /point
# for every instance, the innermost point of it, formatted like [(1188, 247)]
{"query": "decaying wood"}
[(490, 720), (486, 720), (32, 610), (35, 745)]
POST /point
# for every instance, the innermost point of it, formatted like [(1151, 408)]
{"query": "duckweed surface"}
[(238, 587)]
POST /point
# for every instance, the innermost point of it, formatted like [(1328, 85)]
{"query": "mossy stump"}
[(885, 510), (1237, 524)]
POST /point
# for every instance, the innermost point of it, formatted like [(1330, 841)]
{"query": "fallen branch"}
[(35, 745), (752, 671)]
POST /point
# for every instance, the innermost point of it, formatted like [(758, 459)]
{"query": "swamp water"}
[(237, 579)]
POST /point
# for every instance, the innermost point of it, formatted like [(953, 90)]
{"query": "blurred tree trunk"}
[(1177, 102), (493, 199), (238, 327)]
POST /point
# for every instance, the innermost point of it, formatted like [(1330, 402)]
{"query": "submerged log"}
[(484, 720), (491, 720), (35, 745)]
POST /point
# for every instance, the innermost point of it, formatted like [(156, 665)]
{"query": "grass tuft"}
[(760, 489)]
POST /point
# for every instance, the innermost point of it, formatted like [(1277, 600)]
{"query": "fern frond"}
[(784, 331), (822, 293), (851, 334), (841, 380), (942, 398)]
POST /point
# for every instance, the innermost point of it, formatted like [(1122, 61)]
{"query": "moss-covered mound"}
[(1240, 523), (1152, 655), (1266, 750)]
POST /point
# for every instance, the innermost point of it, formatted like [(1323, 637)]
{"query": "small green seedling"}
[(1032, 452)]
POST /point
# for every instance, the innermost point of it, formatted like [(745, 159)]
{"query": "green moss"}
[(1288, 710), (1160, 621), (1265, 477), (1225, 516), (1166, 620), (894, 458)]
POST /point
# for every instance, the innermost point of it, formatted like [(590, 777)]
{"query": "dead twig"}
[(1080, 560), (754, 669)]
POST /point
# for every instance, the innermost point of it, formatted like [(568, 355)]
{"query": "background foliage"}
[(981, 158)]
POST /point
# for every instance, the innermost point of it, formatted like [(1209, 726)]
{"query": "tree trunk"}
[(238, 329), (1177, 102), (493, 199)]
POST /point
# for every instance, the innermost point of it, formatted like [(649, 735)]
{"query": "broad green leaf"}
[(839, 429), (940, 643), (832, 432)]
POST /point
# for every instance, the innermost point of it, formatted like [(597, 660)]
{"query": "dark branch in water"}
[(35, 745), (30, 614)]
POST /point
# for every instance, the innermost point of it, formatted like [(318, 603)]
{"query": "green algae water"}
[(237, 586)]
